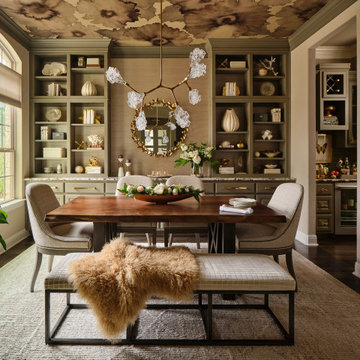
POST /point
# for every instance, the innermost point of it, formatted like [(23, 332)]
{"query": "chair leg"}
[(170, 239), (276, 258), (289, 264), (36, 270), (154, 238), (166, 237), (197, 237), (50, 262)]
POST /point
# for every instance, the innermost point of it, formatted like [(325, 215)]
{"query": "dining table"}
[(106, 210)]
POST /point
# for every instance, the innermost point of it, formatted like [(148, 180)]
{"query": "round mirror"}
[(161, 137)]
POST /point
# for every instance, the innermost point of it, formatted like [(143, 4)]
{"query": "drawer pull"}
[(322, 189), (236, 187), (85, 188), (54, 187), (269, 187)]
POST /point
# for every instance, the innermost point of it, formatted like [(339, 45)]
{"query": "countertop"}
[(204, 179), (335, 180)]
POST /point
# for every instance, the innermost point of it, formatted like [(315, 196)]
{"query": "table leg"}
[(221, 238), (100, 235)]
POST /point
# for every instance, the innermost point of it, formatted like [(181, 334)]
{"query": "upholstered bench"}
[(219, 274)]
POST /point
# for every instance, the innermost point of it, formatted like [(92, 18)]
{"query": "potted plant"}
[(3, 220), (196, 154)]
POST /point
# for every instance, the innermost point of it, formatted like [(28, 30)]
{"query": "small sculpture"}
[(268, 64), (267, 135), (95, 142), (80, 145), (93, 161), (121, 171), (79, 169), (88, 89), (128, 167), (54, 69)]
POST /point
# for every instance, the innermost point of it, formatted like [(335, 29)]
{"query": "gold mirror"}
[(161, 137)]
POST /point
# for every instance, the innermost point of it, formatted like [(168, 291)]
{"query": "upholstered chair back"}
[(133, 180), (186, 180), (40, 200)]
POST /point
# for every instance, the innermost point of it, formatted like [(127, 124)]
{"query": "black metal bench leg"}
[(209, 318), (291, 318)]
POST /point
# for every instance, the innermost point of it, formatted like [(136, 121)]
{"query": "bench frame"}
[(205, 311)]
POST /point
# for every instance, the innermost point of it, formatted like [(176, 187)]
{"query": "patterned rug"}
[(327, 322)]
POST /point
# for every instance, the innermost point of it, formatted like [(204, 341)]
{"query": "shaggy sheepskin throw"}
[(118, 281)]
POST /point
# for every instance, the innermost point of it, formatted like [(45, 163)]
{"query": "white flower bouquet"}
[(196, 154)]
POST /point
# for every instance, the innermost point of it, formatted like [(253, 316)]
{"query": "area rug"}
[(327, 322)]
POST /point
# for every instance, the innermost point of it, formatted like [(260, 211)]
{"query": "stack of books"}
[(237, 64), (93, 169), (54, 89), (272, 171), (226, 170), (230, 88)]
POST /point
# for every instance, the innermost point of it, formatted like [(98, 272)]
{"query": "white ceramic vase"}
[(230, 122), (88, 89)]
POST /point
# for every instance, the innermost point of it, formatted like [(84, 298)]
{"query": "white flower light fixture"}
[(136, 99)]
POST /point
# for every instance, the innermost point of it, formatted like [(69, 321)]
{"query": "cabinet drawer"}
[(60, 199), (267, 187), (235, 188), (74, 196), (209, 188), (325, 223), (324, 204), (263, 199), (324, 189), (84, 188), (110, 188)]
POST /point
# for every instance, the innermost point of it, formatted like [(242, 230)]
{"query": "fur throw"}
[(118, 281)]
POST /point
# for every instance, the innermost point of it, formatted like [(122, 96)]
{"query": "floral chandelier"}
[(136, 98)]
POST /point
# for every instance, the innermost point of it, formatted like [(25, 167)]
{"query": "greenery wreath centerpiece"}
[(167, 193)]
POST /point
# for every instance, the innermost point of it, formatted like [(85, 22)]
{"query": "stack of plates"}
[(242, 202)]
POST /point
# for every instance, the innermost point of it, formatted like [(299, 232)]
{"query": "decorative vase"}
[(230, 121), (88, 89), (197, 171)]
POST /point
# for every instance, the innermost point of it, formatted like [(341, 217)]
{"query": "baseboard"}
[(357, 269), (306, 239), (15, 239)]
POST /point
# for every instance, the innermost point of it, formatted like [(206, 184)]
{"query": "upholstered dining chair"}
[(136, 228), (53, 239), (274, 239), (185, 228)]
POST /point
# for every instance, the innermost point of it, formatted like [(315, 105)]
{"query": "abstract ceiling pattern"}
[(136, 23)]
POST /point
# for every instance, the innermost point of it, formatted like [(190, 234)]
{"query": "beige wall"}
[(143, 74), (303, 118)]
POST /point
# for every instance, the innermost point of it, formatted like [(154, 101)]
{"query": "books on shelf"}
[(54, 89), (237, 64), (272, 171), (93, 169), (226, 170)]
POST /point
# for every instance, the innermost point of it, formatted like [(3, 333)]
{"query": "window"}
[(7, 148)]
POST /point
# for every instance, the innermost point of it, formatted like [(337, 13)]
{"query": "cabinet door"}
[(84, 188), (110, 188), (267, 187), (325, 223), (324, 189), (69, 197)]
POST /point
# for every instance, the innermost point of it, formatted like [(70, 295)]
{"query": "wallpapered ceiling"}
[(136, 23)]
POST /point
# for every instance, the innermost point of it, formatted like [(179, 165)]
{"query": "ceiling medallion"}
[(136, 99)]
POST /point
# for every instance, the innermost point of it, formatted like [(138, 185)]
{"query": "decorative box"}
[(226, 170), (237, 64), (56, 135), (261, 117), (93, 169), (54, 152), (93, 62)]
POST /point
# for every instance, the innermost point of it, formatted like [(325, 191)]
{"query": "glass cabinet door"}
[(348, 208)]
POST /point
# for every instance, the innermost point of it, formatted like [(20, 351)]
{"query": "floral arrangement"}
[(160, 189), (196, 154), (3, 220)]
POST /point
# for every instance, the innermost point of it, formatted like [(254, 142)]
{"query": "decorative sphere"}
[(79, 169), (257, 154)]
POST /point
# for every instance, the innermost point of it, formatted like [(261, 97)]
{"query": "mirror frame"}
[(140, 144)]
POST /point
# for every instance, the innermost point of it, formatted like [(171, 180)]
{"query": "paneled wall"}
[(143, 74)]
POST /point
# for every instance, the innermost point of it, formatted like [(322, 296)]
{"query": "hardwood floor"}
[(336, 255)]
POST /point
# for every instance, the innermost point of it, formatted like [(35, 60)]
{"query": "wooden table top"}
[(120, 209)]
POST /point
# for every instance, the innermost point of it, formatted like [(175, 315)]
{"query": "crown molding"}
[(92, 45), (335, 52), (14, 30), (151, 51), (320, 19), (248, 45)]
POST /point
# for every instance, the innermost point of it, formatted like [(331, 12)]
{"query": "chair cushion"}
[(242, 272), (57, 279)]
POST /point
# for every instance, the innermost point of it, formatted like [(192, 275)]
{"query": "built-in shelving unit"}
[(258, 93), (57, 105)]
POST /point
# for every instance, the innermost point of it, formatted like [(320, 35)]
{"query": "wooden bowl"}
[(161, 199)]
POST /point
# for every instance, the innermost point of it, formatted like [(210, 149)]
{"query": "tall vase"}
[(230, 121), (197, 171)]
